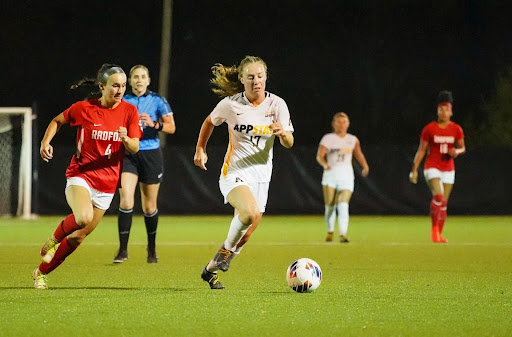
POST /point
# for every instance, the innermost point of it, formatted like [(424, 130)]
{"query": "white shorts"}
[(337, 182), (259, 190), (447, 177), (99, 199)]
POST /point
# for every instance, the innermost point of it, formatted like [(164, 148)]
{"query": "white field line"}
[(274, 243)]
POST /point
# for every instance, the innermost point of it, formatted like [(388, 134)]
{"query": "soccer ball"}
[(304, 275)]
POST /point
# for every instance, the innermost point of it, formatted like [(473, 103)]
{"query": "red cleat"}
[(434, 234)]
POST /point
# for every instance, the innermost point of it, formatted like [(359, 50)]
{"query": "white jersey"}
[(339, 153), (249, 152)]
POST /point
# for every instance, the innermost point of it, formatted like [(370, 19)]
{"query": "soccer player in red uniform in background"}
[(106, 126), (444, 140)]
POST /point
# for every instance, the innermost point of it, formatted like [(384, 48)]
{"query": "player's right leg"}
[(329, 210), (247, 213), (124, 217)]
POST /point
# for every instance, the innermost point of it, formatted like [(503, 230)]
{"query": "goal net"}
[(16, 162)]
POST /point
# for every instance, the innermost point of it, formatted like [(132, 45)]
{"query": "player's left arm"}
[(131, 133), (458, 149), (168, 124), (358, 154), (285, 137), (131, 144)]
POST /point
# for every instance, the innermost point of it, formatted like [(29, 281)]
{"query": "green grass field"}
[(389, 281)]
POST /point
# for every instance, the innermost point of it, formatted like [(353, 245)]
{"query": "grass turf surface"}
[(389, 281)]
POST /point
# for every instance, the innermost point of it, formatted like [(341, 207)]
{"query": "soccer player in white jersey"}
[(335, 156), (254, 118)]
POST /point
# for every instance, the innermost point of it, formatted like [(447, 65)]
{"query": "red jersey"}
[(99, 149), (440, 141)]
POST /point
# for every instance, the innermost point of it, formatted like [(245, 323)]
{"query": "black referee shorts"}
[(148, 165)]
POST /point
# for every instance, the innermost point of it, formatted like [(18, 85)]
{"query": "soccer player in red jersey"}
[(444, 141), (106, 127)]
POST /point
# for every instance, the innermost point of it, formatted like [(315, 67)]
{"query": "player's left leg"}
[(343, 200), (444, 209), (436, 187), (124, 218), (149, 195)]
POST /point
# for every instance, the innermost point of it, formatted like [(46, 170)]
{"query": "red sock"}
[(442, 216), (435, 210), (64, 250), (66, 227)]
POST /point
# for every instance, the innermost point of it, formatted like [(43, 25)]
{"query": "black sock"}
[(151, 221), (124, 223)]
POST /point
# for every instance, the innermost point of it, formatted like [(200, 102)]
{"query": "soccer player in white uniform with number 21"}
[(254, 118), (335, 156)]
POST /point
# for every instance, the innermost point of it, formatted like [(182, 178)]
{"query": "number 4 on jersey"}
[(108, 151)]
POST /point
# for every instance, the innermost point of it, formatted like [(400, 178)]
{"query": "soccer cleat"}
[(48, 245), (121, 256), (440, 240), (344, 239), (152, 258), (50, 254), (434, 234), (328, 238), (40, 280), (48, 250), (223, 258), (212, 279)]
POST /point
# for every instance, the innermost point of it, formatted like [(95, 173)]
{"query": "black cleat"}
[(121, 256), (344, 239), (152, 258), (223, 258), (212, 279)]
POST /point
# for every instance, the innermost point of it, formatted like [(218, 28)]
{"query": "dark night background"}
[(382, 62)]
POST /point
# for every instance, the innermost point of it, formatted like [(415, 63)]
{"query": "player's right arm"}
[(420, 154), (200, 157), (321, 157), (46, 149)]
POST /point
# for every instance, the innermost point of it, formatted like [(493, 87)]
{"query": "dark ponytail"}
[(88, 88), (85, 89)]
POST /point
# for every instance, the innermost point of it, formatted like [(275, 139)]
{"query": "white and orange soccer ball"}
[(304, 275)]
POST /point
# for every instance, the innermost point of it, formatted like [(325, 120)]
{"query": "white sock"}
[(330, 217), (343, 217), (237, 251), (212, 267), (235, 233)]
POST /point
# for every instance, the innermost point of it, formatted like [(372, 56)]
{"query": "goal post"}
[(8, 131)]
